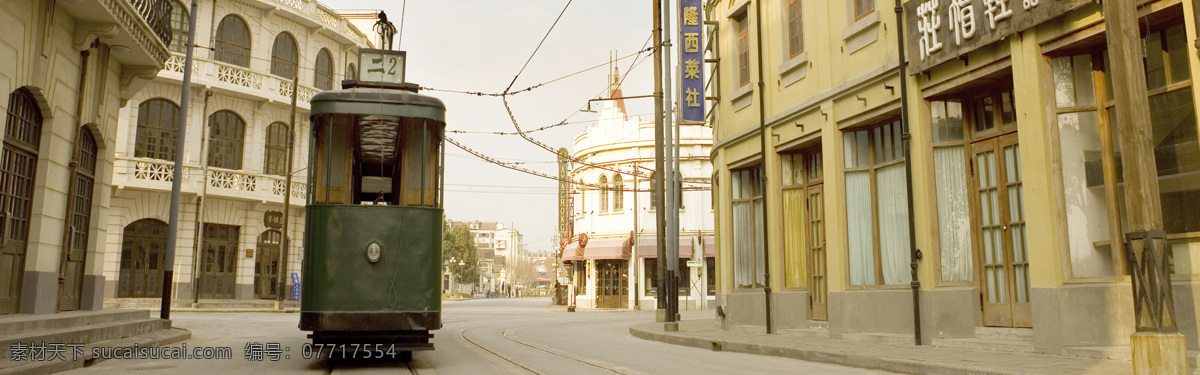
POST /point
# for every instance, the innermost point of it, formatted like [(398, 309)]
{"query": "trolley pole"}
[(177, 175), (287, 197), (1158, 347)]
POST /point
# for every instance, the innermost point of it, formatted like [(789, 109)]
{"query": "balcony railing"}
[(158, 15), (155, 174)]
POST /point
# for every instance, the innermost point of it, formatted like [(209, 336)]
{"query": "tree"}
[(458, 245)]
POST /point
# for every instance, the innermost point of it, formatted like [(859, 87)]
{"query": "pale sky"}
[(478, 45)]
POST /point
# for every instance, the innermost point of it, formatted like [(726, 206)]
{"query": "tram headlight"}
[(374, 251)]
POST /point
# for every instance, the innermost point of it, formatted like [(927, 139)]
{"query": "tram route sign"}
[(376, 65), (941, 30)]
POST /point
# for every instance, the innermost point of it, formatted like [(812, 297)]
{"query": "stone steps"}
[(884, 338), (83, 330), (995, 345), (84, 334), (21, 323), (1118, 352), (996, 339), (72, 361)]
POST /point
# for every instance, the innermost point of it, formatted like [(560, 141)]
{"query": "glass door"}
[(1000, 231)]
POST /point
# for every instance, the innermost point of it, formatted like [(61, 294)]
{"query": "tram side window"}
[(332, 177), (420, 149)]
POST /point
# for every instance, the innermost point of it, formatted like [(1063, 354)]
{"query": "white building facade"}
[(66, 67), (609, 207), (235, 150)]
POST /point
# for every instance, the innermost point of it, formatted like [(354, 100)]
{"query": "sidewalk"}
[(875, 355)]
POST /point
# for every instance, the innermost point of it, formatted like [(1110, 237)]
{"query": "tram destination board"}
[(378, 65)]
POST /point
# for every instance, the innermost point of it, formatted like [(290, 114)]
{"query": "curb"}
[(834, 357)]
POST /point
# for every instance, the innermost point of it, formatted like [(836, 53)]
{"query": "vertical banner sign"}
[(295, 286), (691, 60)]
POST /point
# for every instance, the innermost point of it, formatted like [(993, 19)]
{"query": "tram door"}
[(266, 264), (1000, 232), (219, 268), (611, 284)]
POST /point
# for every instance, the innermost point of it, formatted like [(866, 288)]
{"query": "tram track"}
[(508, 335)]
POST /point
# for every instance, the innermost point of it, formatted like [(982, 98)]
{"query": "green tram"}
[(372, 242)]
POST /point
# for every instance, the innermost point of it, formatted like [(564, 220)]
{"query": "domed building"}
[(612, 211)]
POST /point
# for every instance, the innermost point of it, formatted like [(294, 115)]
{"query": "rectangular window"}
[(876, 203), (749, 271), (795, 28), (684, 277), (743, 47), (710, 272), (862, 8), (952, 184)]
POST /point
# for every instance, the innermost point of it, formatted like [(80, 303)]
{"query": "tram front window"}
[(376, 160)]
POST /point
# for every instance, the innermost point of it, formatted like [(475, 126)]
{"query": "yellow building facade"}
[(1016, 178)]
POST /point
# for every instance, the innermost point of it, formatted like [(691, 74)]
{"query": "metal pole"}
[(287, 197), (177, 175), (198, 242), (914, 252), (670, 192), (660, 222), (762, 176)]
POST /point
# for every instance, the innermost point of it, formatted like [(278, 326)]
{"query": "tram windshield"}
[(376, 160)]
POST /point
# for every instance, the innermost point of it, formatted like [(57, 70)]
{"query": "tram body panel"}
[(348, 292)]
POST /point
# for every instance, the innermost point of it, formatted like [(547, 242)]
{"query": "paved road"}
[(489, 336)]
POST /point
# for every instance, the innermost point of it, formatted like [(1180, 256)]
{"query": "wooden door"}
[(611, 282), (219, 268), (142, 247), (816, 252), (266, 265), (1000, 232), (16, 194)]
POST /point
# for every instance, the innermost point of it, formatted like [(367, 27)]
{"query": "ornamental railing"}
[(158, 15)]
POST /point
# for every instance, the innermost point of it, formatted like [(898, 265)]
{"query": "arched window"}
[(276, 154), (324, 72), (284, 56), (226, 133), (157, 127), (603, 193), (179, 27), (618, 193), (18, 171), (351, 72), (141, 259), (233, 41)]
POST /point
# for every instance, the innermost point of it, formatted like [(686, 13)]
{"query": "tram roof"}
[(378, 101)]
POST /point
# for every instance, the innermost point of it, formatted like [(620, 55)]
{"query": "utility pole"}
[(671, 292), (1158, 347), (177, 175), (914, 253), (287, 197), (658, 182)]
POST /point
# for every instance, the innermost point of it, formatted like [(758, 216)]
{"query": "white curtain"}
[(893, 224), (743, 244), (954, 216), (858, 228)]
